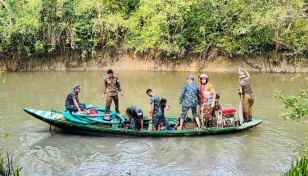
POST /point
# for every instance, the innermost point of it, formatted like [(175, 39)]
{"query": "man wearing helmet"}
[(190, 99), (208, 97), (245, 91)]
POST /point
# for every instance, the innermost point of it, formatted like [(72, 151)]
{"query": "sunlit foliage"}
[(171, 28)]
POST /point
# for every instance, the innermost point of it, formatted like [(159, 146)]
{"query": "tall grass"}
[(7, 168), (299, 167)]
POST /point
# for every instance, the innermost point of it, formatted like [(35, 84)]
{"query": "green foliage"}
[(299, 167), (297, 104), (166, 27), (6, 168)]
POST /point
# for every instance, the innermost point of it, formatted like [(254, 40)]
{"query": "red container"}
[(228, 110), (93, 111)]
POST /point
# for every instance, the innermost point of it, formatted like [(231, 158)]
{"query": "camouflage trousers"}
[(156, 121), (73, 108), (165, 121), (135, 124), (109, 101), (247, 102), (185, 111)]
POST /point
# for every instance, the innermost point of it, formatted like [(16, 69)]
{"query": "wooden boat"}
[(117, 126)]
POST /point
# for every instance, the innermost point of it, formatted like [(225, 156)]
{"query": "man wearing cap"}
[(111, 88), (245, 91), (134, 115), (190, 98), (72, 101)]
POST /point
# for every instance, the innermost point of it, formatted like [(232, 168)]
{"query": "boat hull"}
[(95, 130)]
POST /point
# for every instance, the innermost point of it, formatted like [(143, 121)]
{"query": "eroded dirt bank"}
[(130, 61)]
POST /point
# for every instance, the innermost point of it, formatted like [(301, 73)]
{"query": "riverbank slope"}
[(120, 60)]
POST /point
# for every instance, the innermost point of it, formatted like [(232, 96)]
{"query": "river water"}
[(264, 150)]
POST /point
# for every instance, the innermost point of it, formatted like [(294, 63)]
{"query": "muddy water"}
[(264, 150)]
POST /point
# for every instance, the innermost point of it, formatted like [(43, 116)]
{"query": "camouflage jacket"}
[(244, 84), (190, 96), (70, 97), (155, 100)]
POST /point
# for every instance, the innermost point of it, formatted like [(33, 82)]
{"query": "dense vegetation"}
[(170, 28)]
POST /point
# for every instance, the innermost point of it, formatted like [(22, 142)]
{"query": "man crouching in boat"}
[(72, 101), (134, 115)]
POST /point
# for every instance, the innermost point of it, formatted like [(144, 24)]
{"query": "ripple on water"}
[(97, 169), (135, 146)]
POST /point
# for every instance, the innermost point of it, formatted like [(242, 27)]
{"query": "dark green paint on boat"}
[(94, 130)]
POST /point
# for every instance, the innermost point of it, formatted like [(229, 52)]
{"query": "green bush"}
[(167, 27), (299, 167)]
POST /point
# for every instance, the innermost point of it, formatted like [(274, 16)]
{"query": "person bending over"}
[(134, 115)]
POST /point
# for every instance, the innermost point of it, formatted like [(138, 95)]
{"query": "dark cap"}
[(77, 86), (109, 71)]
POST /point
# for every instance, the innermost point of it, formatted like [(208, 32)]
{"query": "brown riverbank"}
[(131, 61)]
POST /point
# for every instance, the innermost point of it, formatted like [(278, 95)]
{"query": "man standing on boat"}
[(155, 112), (134, 115), (163, 105), (190, 98), (245, 91), (111, 88), (72, 101)]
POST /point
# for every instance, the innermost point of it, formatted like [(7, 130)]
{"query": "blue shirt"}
[(132, 112), (190, 96), (155, 100), (70, 97)]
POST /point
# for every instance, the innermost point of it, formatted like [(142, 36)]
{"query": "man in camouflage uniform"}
[(245, 91), (155, 112), (111, 88), (134, 115), (72, 103), (190, 98)]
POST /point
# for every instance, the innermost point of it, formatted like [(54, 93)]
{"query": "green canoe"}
[(97, 126)]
